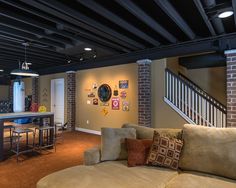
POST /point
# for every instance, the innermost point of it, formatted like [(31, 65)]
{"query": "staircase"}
[(194, 104)]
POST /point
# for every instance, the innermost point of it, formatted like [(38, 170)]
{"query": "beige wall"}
[(92, 113), (28, 86), (4, 92), (212, 80), (162, 114)]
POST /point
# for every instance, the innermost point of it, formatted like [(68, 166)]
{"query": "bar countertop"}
[(23, 115)]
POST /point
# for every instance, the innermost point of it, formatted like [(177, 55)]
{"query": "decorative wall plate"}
[(104, 92)]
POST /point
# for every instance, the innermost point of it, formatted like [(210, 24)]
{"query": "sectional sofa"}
[(208, 160)]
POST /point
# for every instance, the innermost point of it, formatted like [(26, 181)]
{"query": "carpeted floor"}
[(26, 173)]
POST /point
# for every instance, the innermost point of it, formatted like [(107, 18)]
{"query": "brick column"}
[(231, 87), (144, 92), (35, 90), (71, 89)]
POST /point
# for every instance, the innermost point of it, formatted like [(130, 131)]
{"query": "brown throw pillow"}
[(137, 151), (164, 151)]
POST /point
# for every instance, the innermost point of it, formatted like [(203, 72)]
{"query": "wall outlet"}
[(87, 122)]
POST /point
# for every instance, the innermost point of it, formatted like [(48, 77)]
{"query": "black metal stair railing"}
[(197, 105)]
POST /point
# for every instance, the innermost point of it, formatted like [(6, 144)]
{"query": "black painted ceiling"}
[(58, 30)]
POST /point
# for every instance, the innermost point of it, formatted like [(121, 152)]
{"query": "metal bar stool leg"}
[(18, 147)]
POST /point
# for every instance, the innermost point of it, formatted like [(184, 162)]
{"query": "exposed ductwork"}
[(217, 22)]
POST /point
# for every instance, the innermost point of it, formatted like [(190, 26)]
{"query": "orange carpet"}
[(26, 173)]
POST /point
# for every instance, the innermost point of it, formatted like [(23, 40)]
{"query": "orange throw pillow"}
[(137, 151)]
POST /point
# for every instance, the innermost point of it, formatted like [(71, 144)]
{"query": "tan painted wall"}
[(111, 76), (212, 80), (4, 92), (163, 116)]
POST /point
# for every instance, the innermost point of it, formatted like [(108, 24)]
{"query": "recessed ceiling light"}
[(226, 14), (88, 49), (1, 70)]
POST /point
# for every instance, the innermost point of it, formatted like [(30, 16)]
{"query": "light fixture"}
[(1, 70), (226, 14), (88, 49), (24, 67)]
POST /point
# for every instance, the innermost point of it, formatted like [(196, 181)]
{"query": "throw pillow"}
[(137, 151), (210, 150), (113, 143), (164, 151)]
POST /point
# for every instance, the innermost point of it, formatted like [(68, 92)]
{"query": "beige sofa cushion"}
[(147, 132), (210, 150), (113, 143), (110, 174), (200, 180)]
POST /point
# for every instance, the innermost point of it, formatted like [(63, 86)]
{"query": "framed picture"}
[(115, 101), (123, 84)]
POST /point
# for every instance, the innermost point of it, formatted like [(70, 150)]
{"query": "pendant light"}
[(24, 67)]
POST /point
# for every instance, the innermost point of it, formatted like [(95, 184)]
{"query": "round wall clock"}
[(104, 92)]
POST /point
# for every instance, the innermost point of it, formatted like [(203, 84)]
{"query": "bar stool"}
[(17, 135), (59, 131), (46, 137), (10, 137)]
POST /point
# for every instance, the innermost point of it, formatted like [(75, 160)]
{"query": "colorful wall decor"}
[(91, 94), (104, 92), (88, 102), (104, 103), (94, 86), (123, 94), (115, 92), (125, 106), (123, 84), (95, 101), (104, 111), (115, 101)]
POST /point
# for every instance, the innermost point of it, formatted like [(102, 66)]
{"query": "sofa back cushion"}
[(210, 150), (113, 143), (147, 132)]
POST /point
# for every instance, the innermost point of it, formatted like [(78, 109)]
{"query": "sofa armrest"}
[(92, 156)]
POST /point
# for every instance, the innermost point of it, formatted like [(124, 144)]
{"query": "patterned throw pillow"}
[(137, 151), (164, 151)]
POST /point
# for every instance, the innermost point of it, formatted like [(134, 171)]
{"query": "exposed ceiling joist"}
[(204, 16), (25, 28), (197, 46), (138, 12), (73, 17), (175, 16), (30, 37), (118, 20), (41, 25)]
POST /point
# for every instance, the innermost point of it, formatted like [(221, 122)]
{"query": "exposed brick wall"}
[(11, 93), (71, 89), (35, 90), (144, 92), (231, 87)]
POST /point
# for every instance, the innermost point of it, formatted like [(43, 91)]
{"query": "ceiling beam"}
[(75, 17), (33, 30), (41, 25), (138, 12), (18, 55), (204, 16), (30, 37), (234, 9), (39, 50), (175, 16), (181, 49), (117, 20)]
